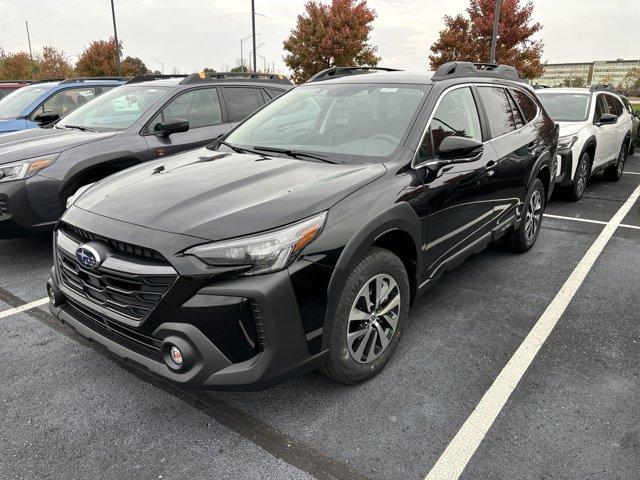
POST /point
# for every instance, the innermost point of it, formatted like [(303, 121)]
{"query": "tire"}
[(634, 143), (614, 172), (523, 238), (575, 191), (349, 360)]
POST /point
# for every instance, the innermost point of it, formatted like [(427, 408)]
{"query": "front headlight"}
[(565, 143), (25, 168), (264, 253)]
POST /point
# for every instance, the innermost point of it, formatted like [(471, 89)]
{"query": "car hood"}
[(43, 141), (215, 195), (12, 124), (570, 128)]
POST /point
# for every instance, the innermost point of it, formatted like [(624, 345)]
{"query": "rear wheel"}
[(576, 190), (614, 172), (371, 313), (521, 240)]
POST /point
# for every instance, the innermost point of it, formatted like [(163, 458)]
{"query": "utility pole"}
[(115, 34), (496, 24), (29, 40), (253, 29)]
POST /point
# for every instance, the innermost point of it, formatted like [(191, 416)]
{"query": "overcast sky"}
[(192, 34)]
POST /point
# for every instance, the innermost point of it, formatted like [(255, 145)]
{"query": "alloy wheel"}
[(533, 216), (582, 175), (373, 318)]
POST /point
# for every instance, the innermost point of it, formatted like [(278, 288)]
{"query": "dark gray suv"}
[(147, 118)]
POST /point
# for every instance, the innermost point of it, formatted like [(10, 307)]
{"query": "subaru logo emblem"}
[(88, 256)]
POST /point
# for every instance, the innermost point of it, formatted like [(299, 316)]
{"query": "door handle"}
[(491, 165)]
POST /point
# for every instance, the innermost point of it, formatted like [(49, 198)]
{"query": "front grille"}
[(82, 236), (133, 292), (146, 345), (4, 205)]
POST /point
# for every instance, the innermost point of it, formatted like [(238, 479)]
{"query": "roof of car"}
[(562, 90), (382, 76)]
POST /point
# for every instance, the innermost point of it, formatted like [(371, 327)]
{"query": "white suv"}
[(595, 134)]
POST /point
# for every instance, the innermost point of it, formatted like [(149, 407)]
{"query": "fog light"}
[(176, 355)]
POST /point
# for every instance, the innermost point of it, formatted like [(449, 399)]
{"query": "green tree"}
[(133, 66), (330, 35)]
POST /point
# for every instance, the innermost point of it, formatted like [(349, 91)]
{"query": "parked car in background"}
[(42, 103), (8, 86), (595, 135), (302, 238), (147, 118), (635, 132)]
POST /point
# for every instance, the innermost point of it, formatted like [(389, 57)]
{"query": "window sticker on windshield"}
[(388, 90)]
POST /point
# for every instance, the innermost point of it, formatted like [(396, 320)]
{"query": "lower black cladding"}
[(133, 339), (4, 205)]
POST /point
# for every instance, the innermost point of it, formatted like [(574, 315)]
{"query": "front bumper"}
[(564, 175), (18, 214), (242, 333)]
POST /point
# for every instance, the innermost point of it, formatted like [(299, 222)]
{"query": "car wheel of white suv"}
[(576, 190), (614, 172)]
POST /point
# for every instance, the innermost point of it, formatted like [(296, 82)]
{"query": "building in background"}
[(610, 72)]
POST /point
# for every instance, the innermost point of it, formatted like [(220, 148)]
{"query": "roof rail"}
[(17, 81), (149, 77), (82, 79), (336, 72), (468, 69), (46, 80), (602, 87), (540, 87), (202, 77)]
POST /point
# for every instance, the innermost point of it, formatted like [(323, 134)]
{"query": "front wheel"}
[(576, 190), (521, 240), (614, 172), (370, 316)]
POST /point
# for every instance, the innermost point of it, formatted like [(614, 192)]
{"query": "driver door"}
[(459, 207)]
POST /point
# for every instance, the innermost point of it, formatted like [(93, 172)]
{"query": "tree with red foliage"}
[(469, 39), (17, 66), (99, 59), (53, 64), (330, 35), (133, 66)]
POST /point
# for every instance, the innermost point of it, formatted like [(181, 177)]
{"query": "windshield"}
[(340, 120), (115, 110), (566, 107), (14, 104)]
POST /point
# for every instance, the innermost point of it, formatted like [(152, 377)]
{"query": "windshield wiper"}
[(236, 148), (295, 153), (79, 127)]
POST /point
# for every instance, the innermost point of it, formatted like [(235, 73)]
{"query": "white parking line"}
[(633, 173), (586, 220), (455, 457), (22, 308)]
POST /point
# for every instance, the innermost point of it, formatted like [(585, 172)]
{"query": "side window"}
[(65, 101), (601, 107), (242, 102), (201, 108), (615, 106), (456, 115), (274, 92), (527, 105), (496, 103), (517, 116)]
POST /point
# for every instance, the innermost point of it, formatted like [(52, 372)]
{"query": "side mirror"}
[(607, 119), (457, 150), (172, 125), (46, 118)]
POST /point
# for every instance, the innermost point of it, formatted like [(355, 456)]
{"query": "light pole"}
[(115, 34), (29, 40), (242, 40), (253, 30), (494, 37), (161, 64)]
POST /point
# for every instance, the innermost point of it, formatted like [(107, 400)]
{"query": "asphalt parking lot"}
[(72, 410)]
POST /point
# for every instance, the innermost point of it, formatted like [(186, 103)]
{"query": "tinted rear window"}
[(527, 105), (496, 103)]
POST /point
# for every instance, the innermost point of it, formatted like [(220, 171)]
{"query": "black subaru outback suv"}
[(301, 239), (147, 118)]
